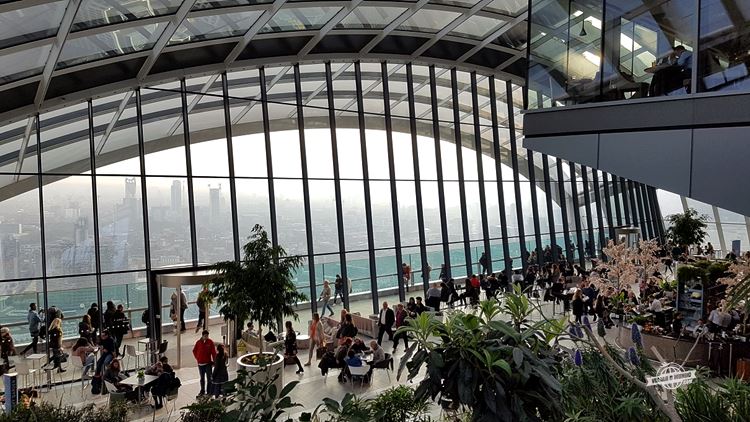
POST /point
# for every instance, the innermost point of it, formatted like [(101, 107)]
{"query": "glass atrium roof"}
[(52, 51)]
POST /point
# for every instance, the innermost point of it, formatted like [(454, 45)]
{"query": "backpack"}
[(144, 317)]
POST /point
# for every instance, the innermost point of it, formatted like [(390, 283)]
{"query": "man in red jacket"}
[(205, 353)]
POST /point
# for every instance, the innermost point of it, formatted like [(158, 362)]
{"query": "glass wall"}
[(584, 51), (159, 168)]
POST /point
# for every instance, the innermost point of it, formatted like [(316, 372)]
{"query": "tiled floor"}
[(309, 393)]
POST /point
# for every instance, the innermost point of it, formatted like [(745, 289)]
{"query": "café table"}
[(137, 382)]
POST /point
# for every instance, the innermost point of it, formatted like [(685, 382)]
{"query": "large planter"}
[(261, 374)]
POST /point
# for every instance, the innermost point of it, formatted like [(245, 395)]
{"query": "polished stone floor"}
[(313, 387)]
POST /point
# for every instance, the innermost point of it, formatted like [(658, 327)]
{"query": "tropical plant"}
[(688, 228), (351, 409), (687, 273), (727, 402), (260, 287), (256, 399), (205, 409), (493, 365), (399, 404), (49, 412)]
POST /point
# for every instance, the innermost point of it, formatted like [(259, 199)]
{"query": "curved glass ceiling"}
[(75, 35)]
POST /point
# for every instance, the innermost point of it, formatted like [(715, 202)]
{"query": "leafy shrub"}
[(399, 404), (727, 402), (47, 412)]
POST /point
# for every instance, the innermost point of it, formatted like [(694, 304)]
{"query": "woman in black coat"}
[(578, 305)]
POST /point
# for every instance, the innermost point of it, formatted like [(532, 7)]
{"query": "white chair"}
[(358, 371), (23, 367), (114, 395), (131, 352), (79, 367)]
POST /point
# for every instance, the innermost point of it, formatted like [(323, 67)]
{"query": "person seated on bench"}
[(347, 328)]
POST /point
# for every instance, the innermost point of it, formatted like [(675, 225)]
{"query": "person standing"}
[(338, 286), (96, 322), (34, 323), (204, 352), (109, 316), (183, 308), (325, 297), (120, 327), (7, 347), (443, 273), (220, 374), (317, 338), (400, 322), (386, 318), (203, 303), (84, 327), (578, 305), (483, 262), (406, 270)]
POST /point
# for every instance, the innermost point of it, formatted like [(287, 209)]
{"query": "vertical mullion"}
[(608, 206), (439, 169), (337, 184), (577, 214), (42, 237), (189, 166), (154, 297), (587, 200), (535, 207), (417, 175), (625, 202), (95, 203), (392, 173), (652, 211), (550, 209), (499, 177), (305, 181), (641, 211), (480, 171), (657, 213), (366, 184), (599, 214), (646, 210), (230, 159), (516, 177), (564, 211), (269, 161), (460, 162), (616, 198), (633, 207)]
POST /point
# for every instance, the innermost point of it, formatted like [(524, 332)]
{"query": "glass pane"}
[(290, 216), (118, 152), (507, 7), (249, 155), (252, 206), (68, 225), (369, 17), (323, 214), (477, 27), (209, 4), (168, 221), (298, 19), (213, 220), (30, 23), (121, 242), (109, 44), (16, 305), (428, 21), (21, 248), (93, 13), (724, 45), (355, 222), (201, 28), (431, 209), (23, 63), (72, 296), (65, 140)]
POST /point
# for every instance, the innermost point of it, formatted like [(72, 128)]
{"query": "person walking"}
[(96, 322), (204, 352), (483, 262), (386, 318), (325, 297), (400, 322), (290, 346), (183, 308), (406, 270), (35, 323), (120, 327), (203, 304), (55, 338), (220, 374), (317, 338), (578, 305)]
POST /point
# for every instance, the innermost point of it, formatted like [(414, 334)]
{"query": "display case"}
[(690, 302)]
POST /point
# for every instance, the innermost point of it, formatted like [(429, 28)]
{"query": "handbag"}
[(64, 357)]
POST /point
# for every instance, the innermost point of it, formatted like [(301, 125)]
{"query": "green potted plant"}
[(686, 229), (260, 288)]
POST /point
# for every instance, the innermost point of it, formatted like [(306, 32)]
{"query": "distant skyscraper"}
[(214, 202), (176, 195), (130, 187)]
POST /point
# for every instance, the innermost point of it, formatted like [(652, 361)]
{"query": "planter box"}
[(261, 374)]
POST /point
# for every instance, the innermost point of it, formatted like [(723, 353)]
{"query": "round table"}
[(303, 341)]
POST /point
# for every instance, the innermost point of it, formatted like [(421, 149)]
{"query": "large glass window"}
[(723, 59)]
